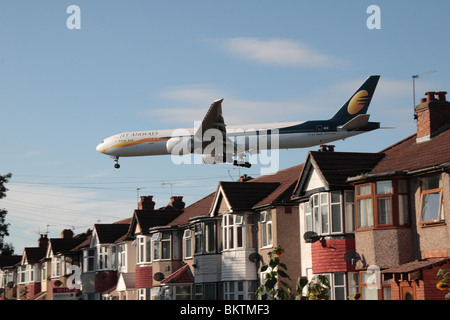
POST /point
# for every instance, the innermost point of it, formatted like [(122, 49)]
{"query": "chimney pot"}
[(146, 203), (43, 241), (441, 95), (430, 95), (177, 202), (67, 234)]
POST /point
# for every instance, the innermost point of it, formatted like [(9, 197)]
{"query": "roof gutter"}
[(370, 176)]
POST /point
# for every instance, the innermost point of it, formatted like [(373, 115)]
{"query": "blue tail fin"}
[(358, 102)]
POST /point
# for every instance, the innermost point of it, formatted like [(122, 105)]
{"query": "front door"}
[(407, 292)]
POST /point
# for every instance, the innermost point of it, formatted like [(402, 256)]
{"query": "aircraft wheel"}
[(117, 166)]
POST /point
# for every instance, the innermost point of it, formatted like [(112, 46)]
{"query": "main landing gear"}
[(116, 165), (241, 164)]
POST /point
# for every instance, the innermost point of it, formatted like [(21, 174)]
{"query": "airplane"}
[(218, 143)]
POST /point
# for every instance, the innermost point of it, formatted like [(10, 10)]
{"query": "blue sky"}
[(144, 65)]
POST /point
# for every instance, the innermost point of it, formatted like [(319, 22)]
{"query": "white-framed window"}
[(143, 249), (21, 274), (323, 213), (237, 231), (107, 257), (103, 258), (58, 267), (187, 240), (161, 245), (182, 292), (350, 225), (205, 291), (89, 260), (342, 285), (122, 255), (204, 237), (266, 229), (239, 290), (144, 293)]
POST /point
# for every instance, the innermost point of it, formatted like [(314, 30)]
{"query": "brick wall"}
[(144, 277), (105, 280), (425, 289), (33, 289), (327, 255)]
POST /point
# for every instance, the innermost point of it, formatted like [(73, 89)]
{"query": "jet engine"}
[(180, 145), (213, 159)]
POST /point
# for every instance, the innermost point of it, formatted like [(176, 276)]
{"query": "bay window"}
[(204, 235), (143, 249), (187, 239), (382, 204), (107, 257), (161, 246), (324, 212), (266, 229), (237, 231), (88, 260)]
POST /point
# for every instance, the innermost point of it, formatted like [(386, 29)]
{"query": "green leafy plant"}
[(273, 287), (316, 289), (444, 281)]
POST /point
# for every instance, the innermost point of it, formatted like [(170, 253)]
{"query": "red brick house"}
[(403, 208)]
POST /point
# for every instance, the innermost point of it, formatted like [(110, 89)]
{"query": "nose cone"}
[(101, 147)]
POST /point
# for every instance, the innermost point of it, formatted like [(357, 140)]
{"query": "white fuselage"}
[(155, 142)]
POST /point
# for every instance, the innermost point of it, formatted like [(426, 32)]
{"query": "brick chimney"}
[(326, 148), (67, 234), (146, 203), (433, 115), (43, 241), (177, 202)]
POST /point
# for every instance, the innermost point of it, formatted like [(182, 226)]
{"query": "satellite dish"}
[(311, 237), (254, 257), (159, 276), (351, 257)]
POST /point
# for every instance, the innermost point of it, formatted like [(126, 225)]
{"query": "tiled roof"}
[(201, 207), (243, 196), (109, 233), (153, 218), (407, 155), (8, 261), (286, 178), (34, 254), (336, 167), (416, 265), (182, 275), (61, 245)]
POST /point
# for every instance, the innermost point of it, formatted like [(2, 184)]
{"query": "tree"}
[(5, 249), (274, 271)]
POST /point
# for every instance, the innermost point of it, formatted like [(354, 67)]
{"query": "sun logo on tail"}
[(358, 102)]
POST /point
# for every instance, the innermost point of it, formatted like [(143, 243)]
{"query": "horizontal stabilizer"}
[(361, 120)]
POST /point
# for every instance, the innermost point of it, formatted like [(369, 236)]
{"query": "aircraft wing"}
[(212, 120)]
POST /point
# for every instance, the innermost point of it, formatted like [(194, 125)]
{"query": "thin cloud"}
[(280, 52)]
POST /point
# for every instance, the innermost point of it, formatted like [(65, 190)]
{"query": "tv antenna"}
[(414, 77), (171, 186)]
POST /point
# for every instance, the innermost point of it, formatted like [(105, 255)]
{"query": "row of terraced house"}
[(376, 224)]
